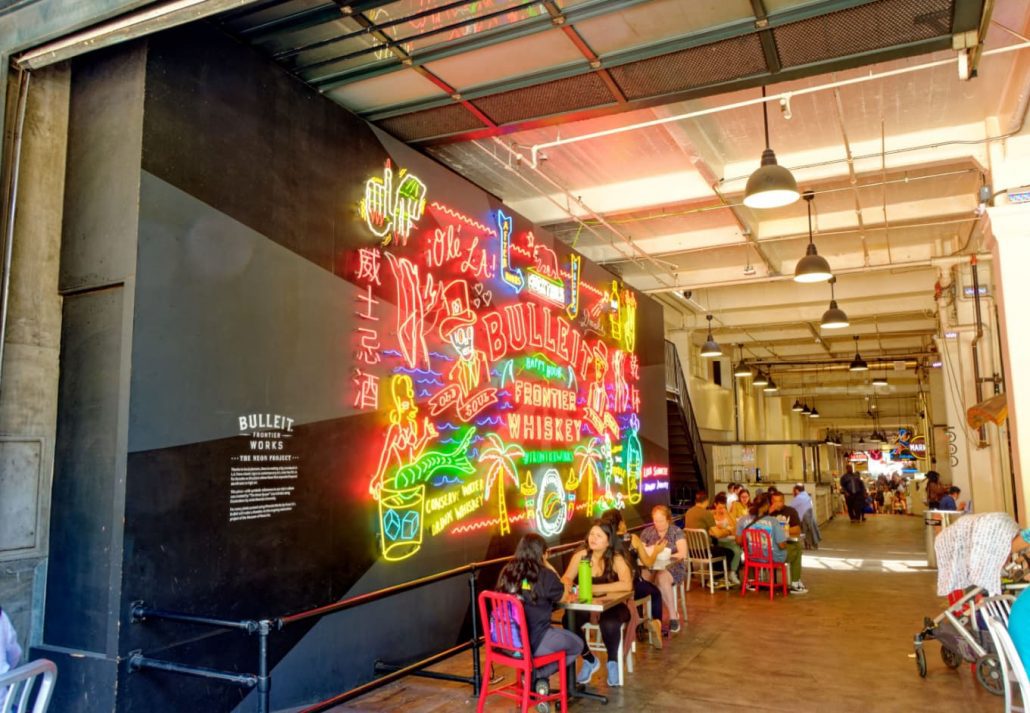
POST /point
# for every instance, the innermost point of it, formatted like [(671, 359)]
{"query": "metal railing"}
[(676, 384), (264, 628)]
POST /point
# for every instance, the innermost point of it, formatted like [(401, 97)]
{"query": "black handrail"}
[(676, 384), (140, 612)]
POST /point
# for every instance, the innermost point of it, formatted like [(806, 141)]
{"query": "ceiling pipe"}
[(587, 209), (608, 239), (614, 216), (799, 236), (786, 96), (940, 261), (838, 107), (883, 363)]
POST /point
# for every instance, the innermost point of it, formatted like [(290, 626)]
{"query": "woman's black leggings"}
[(642, 588), (611, 622)]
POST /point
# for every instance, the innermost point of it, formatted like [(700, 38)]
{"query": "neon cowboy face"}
[(463, 341)]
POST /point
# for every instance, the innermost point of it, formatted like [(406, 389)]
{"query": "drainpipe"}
[(11, 204), (976, 347)]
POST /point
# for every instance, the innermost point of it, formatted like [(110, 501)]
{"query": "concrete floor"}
[(844, 646)]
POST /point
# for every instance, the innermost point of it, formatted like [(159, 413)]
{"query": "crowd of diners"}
[(650, 565)]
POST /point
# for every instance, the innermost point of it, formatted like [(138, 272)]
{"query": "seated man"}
[(950, 501), (700, 517), (788, 516)]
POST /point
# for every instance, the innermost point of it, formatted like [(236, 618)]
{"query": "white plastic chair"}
[(16, 687), (1010, 663), (998, 606), (592, 635), (699, 551), (679, 597)]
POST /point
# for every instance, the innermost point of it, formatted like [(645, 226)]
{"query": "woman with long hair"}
[(531, 578), (760, 519), (611, 575), (637, 556)]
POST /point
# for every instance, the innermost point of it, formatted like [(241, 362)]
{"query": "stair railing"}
[(676, 384)]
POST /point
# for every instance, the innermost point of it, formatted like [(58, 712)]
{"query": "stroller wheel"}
[(921, 662), (950, 658), (988, 673)]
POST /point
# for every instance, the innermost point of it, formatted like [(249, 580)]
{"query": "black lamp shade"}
[(771, 186), (834, 317), (812, 267), (711, 349), (797, 406), (771, 386), (742, 371), (760, 379), (858, 363)]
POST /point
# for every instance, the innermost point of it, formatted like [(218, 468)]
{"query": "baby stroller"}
[(971, 555), (962, 633)]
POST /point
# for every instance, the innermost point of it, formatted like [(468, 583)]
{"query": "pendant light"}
[(742, 370), (805, 411), (880, 380), (834, 317), (858, 363), (771, 387), (813, 266), (797, 406), (760, 379), (815, 413), (711, 349), (771, 185)]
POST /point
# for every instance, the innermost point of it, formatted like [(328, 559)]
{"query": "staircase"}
[(688, 466)]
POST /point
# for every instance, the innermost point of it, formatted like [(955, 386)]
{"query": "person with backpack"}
[(854, 493), (531, 578)]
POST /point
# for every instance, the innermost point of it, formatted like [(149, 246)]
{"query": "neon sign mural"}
[(510, 387)]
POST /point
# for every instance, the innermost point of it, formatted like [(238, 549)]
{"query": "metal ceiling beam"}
[(392, 43), (581, 44), (474, 42), (736, 29), (765, 36), (439, 82), (302, 19), (801, 72)]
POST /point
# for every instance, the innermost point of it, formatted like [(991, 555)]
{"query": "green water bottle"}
[(586, 581)]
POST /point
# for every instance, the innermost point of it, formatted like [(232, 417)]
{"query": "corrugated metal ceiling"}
[(432, 70)]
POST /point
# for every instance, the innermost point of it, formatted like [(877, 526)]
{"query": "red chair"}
[(507, 643), (758, 557)]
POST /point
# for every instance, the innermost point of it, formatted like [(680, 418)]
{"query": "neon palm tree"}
[(499, 455), (589, 456)]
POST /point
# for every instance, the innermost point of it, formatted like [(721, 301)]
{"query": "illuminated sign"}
[(506, 386), (392, 211)]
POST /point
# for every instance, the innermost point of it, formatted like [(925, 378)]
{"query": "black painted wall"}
[(212, 222)]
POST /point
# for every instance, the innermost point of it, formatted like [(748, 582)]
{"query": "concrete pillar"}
[(28, 390), (1010, 245)]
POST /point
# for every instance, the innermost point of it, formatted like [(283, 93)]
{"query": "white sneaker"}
[(798, 588), (734, 579)]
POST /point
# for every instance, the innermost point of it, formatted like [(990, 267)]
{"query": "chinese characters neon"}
[(510, 374)]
